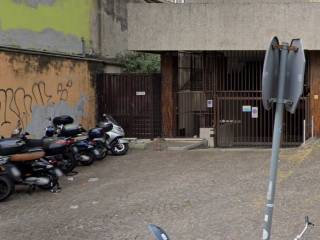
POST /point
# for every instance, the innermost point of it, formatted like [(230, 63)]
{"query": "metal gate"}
[(133, 100), (244, 128), (222, 90)]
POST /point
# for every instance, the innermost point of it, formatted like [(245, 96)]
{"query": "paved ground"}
[(201, 194)]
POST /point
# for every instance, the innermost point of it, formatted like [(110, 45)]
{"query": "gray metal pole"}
[(275, 144)]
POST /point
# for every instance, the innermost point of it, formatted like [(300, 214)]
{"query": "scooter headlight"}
[(15, 172), (75, 149), (49, 166), (58, 172)]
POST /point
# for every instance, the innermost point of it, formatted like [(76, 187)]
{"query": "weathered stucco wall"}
[(114, 26), (34, 88), (221, 26), (245, 1), (52, 25)]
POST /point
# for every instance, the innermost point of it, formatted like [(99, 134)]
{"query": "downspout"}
[(99, 5)]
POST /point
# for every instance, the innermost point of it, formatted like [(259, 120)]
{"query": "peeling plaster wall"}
[(114, 26), (52, 25), (34, 88), (60, 25), (245, 1)]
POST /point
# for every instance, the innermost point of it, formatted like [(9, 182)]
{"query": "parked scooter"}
[(115, 141), (63, 126), (33, 169), (58, 150)]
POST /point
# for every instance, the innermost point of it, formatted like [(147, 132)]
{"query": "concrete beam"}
[(221, 26)]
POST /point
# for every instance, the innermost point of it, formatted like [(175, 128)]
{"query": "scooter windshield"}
[(109, 118)]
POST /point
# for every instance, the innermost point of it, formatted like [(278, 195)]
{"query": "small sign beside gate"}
[(140, 93), (254, 112)]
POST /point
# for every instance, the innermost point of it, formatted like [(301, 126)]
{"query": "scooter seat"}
[(34, 143), (31, 155), (81, 138), (32, 150)]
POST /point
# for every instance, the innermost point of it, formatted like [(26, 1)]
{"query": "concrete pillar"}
[(315, 90), (169, 71)]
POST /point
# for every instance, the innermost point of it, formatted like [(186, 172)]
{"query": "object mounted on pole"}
[(282, 83), (294, 77)]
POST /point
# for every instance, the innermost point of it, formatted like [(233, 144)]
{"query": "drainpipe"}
[(83, 43), (99, 23)]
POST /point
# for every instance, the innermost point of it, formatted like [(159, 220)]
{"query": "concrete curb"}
[(138, 143), (202, 143)]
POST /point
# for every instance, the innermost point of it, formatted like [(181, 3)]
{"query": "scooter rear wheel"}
[(6, 187)]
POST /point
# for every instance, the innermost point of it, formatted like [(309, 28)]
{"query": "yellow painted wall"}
[(32, 87), (52, 25), (71, 17)]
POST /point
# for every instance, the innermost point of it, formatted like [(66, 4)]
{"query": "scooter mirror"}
[(158, 232)]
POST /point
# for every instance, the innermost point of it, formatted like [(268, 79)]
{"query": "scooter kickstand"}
[(56, 189), (31, 189)]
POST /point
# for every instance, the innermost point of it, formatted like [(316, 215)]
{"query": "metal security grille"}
[(223, 90), (133, 100)]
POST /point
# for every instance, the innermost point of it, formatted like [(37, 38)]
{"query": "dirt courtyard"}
[(194, 195)]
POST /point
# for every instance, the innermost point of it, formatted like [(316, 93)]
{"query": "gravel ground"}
[(196, 195)]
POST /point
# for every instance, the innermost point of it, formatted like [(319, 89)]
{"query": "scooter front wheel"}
[(68, 163), (86, 158), (6, 187)]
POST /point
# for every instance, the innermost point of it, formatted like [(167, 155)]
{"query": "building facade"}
[(212, 59)]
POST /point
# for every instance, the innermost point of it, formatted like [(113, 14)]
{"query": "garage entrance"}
[(222, 91)]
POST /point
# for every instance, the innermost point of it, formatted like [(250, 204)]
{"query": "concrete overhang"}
[(221, 26)]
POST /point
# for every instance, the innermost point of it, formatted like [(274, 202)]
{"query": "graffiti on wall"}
[(16, 105)]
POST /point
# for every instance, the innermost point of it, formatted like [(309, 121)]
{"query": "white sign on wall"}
[(254, 112), (141, 93), (246, 108)]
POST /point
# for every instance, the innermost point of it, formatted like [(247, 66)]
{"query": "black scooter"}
[(63, 126), (24, 165), (58, 151)]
